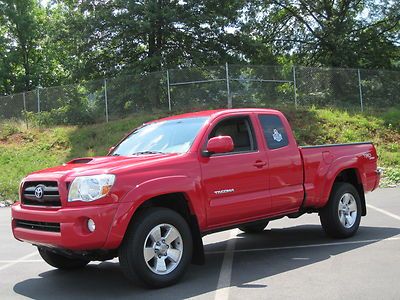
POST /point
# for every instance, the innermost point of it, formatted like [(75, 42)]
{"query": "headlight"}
[(90, 188)]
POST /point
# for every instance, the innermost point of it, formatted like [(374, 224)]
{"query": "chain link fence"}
[(206, 88)]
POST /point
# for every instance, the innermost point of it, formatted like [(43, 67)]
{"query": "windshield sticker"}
[(277, 136)]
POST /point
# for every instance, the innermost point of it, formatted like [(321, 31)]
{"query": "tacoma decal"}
[(224, 191)]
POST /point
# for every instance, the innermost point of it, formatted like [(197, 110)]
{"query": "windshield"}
[(174, 136)]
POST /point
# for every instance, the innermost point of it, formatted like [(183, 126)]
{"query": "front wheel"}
[(157, 248), (340, 218), (61, 262)]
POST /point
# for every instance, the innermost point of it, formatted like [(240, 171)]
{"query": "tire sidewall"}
[(338, 192), (140, 232)]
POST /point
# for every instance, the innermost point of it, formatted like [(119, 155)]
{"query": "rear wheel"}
[(340, 218), (254, 228), (61, 262), (157, 248)]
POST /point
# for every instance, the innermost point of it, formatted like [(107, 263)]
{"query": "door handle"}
[(259, 164)]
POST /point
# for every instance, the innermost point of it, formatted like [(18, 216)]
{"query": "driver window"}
[(239, 129)]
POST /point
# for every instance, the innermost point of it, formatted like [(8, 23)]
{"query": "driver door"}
[(235, 183)]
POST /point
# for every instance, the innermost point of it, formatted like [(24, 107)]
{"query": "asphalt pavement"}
[(292, 258)]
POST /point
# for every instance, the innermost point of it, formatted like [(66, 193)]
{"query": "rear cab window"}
[(274, 131)]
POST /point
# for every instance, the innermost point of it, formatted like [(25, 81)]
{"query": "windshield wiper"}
[(148, 152)]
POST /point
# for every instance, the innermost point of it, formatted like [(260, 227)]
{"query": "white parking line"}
[(12, 263), (384, 212), (308, 246), (21, 261), (224, 280)]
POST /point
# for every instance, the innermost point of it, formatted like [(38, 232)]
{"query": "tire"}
[(254, 228), (340, 218), (62, 262), (146, 254)]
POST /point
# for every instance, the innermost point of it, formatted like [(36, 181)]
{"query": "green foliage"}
[(391, 176), (392, 118), (22, 22), (330, 33), (69, 40), (60, 116), (8, 129)]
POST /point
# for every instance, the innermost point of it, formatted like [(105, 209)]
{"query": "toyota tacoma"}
[(171, 181)]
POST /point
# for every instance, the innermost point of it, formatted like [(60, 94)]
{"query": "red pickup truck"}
[(174, 180)]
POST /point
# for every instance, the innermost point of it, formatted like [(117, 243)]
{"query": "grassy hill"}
[(25, 150)]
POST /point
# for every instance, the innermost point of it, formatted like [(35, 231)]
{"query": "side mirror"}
[(110, 150), (219, 144)]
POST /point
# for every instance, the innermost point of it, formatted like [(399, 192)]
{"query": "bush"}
[(392, 118), (7, 129), (66, 115)]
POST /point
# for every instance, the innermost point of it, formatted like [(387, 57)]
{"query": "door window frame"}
[(250, 129)]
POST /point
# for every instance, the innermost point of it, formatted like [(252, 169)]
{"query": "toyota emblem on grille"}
[(39, 192)]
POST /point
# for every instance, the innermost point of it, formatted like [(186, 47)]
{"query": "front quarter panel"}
[(144, 191)]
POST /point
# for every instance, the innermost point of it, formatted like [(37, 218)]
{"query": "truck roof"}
[(216, 112)]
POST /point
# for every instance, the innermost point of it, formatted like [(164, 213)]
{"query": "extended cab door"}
[(285, 166), (235, 183)]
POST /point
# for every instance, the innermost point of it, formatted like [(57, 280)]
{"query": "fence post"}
[(228, 88), (360, 90), (169, 92), (25, 115), (38, 98), (295, 86), (106, 98)]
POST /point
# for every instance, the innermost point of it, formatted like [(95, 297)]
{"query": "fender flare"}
[(338, 166)]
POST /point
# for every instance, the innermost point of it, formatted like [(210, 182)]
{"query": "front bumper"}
[(73, 231)]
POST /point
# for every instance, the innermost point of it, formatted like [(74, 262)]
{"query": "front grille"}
[(49, 195), (42, 226)]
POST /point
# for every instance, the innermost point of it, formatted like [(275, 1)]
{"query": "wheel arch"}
[(352, 176), (179, 202)]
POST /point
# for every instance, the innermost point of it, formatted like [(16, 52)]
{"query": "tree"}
[(339, 33), (21, 20), (70, 41), (150, 35)]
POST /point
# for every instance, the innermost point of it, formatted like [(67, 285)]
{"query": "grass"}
[(25, 150)]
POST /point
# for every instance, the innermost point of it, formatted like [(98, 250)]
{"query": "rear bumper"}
[(73, 232)]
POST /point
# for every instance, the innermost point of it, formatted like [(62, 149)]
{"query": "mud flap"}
[(198, 257)]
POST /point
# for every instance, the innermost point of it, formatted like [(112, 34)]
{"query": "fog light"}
[(91, 225)]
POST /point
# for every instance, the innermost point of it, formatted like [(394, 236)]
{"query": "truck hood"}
[(99, 165)]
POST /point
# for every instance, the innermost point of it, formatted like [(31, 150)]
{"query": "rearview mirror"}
[(219, 144)]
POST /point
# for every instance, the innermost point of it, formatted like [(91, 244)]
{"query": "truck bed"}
[(322, 164)]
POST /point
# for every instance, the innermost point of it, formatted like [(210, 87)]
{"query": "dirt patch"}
[(16, 139)]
